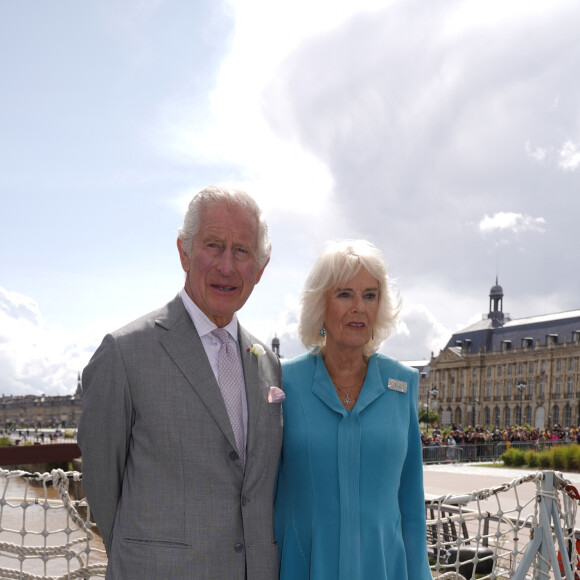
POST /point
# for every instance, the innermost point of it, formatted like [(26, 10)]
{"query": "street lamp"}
[(432, 394), (474, 411), (521, 385)]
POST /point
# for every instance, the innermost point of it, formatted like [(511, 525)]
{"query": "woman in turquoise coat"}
[(349, 500)]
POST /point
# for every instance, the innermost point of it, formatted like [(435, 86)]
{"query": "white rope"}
[(76, 551), (466, 535), (469, 538)]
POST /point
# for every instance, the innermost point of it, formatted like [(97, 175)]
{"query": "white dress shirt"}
[(211, 344)]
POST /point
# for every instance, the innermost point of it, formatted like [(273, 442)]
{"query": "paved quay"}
[(465, 478), (459, 478)]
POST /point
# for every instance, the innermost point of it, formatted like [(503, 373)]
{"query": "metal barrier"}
[(490, 451)]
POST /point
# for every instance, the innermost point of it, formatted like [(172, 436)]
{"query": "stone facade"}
[(33, 411), (504, 372)]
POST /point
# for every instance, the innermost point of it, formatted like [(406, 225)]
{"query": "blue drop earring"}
[(322, 331)]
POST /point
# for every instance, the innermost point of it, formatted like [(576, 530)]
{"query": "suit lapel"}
[(182, 343), (254, 388)]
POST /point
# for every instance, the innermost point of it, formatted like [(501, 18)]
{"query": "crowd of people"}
[(457, 435)]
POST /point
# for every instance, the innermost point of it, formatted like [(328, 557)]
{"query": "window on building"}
[(543, 366), (487, 416), (498, 390), (499, 371), (453, 390), (571, 364), (509, 385), (556, 413), (542, 387), (507, 416), (462, 390), (488, 390), (445, 375), (528, 415), (474, 373), (510, 369), (518, 415), (458, 416), (567, 416), (558, 387), (520, 369), (462, 373), (489, 372), (497, 417), (570, 385), (531, 387), (559, 365), (531, 368)]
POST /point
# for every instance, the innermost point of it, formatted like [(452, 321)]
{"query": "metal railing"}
[(489, 451)]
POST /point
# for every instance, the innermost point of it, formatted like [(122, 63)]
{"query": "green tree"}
[(428, 416)]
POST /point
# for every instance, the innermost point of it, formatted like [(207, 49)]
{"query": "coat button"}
[(244, 500), (238, 547), (233, 455)]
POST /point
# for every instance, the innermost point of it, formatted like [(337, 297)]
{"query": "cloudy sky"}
[(447, 132)]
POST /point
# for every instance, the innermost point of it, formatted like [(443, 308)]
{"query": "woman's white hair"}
[(233, 198), (339, 262)]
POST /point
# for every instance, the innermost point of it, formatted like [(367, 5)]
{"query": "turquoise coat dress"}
[(350, 501)]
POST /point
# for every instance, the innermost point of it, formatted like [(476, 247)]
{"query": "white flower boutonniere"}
[(257, 350)]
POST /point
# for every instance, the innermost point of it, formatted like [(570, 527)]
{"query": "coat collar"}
[(254, 389), (371, 390)]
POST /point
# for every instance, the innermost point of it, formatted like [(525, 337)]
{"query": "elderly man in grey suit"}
[(181, 425)]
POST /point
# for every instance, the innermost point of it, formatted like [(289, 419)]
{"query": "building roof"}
[(558, 327)]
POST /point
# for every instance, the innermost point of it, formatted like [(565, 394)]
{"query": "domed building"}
[(505, 372)]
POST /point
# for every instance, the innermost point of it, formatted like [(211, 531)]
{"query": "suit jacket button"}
[(238, 547), (233, 455), (244, 500)]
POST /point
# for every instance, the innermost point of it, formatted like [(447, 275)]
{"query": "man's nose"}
[(226, 263)]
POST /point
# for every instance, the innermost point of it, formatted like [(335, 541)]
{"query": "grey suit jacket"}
[(160, 467)]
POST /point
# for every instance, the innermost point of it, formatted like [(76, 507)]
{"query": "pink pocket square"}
[(276, 395)]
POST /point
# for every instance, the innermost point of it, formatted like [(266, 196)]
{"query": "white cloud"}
[(17, 306), (569, 156), (418, 329), (35, 358), (515, 222), (280, 173), (538, 154)]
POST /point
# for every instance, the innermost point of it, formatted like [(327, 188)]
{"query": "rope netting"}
[(43, 535), (522, 530)]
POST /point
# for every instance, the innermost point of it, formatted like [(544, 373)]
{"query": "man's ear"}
[(259, 275), (185, 260)]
